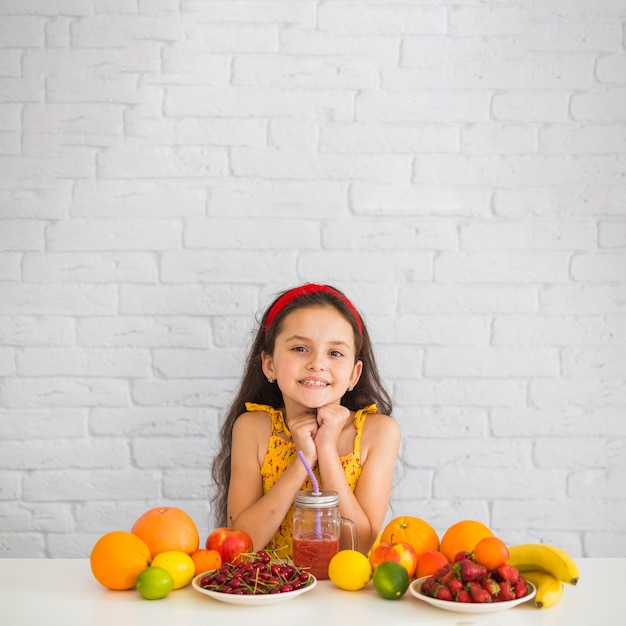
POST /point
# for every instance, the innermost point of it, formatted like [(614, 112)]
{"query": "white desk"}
[(39, 592)]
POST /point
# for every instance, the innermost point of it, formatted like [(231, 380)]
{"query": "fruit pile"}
[(161, 553), (465, 580), (254, 574)]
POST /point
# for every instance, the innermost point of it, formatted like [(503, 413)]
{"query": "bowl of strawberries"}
[(465, 586)]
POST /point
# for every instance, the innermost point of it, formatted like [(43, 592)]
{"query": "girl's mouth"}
[(314, 383)]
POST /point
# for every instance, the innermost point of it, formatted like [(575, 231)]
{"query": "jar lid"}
[(323, 500)]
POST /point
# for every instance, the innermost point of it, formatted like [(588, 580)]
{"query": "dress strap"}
[(359, 421), (278, 421)]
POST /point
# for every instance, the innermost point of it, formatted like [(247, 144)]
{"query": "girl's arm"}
[(248, 508), (367, 506)]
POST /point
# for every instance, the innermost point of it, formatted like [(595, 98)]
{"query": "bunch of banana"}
[(545, 566)]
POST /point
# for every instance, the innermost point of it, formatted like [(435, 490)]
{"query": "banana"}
[(549, 588), (540, 556)]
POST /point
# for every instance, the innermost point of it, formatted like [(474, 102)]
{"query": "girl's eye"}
[(336, 353), (299, 349)]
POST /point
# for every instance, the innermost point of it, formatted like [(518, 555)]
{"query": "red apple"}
[(400, 552), (229, 542)]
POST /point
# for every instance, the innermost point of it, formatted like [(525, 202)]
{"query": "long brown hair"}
[(254, 386)]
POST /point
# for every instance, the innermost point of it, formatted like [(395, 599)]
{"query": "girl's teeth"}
[(314, 383)]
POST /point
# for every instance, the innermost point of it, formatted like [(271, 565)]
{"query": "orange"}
[(491, 552), (117, 558), (166, 529), (463, 535), (206, 560), (420, 535), (429, 562)]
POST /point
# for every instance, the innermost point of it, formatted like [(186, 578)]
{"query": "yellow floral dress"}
[(280, 454)]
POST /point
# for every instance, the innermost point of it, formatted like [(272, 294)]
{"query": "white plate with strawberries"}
[(469, 607)]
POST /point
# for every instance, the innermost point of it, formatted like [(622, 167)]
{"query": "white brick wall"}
[(458, 168)]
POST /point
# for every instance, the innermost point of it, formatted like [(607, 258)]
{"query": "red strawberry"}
[(478, 593), (455, 586), (491, 586), (506, 592), (520, 588), (429, 584), (461, 556), (449, 577), (468, 570), (463, 596), (442, 593), (442, 571), (508, 573)]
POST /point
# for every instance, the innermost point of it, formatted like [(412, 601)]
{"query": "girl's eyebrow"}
[(335, 342)]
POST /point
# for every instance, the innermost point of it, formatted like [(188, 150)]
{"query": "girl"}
[(310, 384)]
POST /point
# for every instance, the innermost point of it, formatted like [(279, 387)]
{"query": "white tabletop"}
[(36, 592)]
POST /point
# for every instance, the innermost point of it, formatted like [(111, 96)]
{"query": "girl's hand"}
[(331, 420), (303, 429)]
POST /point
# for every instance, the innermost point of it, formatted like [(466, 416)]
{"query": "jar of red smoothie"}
[(316, 533)]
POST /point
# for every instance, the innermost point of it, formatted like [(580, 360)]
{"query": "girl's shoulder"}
[(379, 424), (255, 420)]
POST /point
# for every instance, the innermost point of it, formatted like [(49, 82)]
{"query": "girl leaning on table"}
[(310, 384)]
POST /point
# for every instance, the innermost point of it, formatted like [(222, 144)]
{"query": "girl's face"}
[(313, 361)]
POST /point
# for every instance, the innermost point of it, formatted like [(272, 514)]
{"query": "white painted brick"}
[(573, 35), (612, 234), (479, 20), (498, 139), (154, 422), (414, 105), (309, 165), (558, 330), (211, 38), (508, 483), (161, 453), (466, 299), (596, 452), (289, 132), (243, 235), (43, 424), (578, 392), (544, 107), (226, 266), (391, 234), (582, 139), (506, 267), (42, 7), (562, 202), (596, 483), (36, 393), (176, 363), (416, 483), (392, 19), (421, 200), (583, 299), (491, 362), (22, 235), (611, 68), (89, 268), (17, 544), (528, 235), (600, 266), (190, 484), (461, 392), (57, 32), (377, 266), (10, 63), (302, 13), (144, 332), (215, 393), (37, 198), (257, 102), (21, 31), (28, 299), (604, 544), (115, 32), (10, 487), (112, 234), (557, 421), (386, 138), (600, 105), (24, 331), (419, 424), (10, 266), (278, 198), (186, 300), (594, 362), (97, 362), (81, 484), (431, 330), (7, 362)]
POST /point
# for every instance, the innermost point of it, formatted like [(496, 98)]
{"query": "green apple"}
[(154, 583)]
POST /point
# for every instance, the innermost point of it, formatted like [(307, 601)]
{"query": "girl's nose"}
[(317, 362)]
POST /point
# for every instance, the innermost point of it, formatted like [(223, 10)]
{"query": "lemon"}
[(350, 570), (391, 580), (178, 564)]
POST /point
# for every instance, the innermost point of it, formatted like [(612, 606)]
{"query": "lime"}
[(178, 564), (350, 570), (391, 580), (154, 583)]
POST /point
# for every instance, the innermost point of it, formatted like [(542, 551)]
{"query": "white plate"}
[(469, 607), (251, 600)]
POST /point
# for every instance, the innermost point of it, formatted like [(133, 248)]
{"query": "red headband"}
[(294, 294)]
